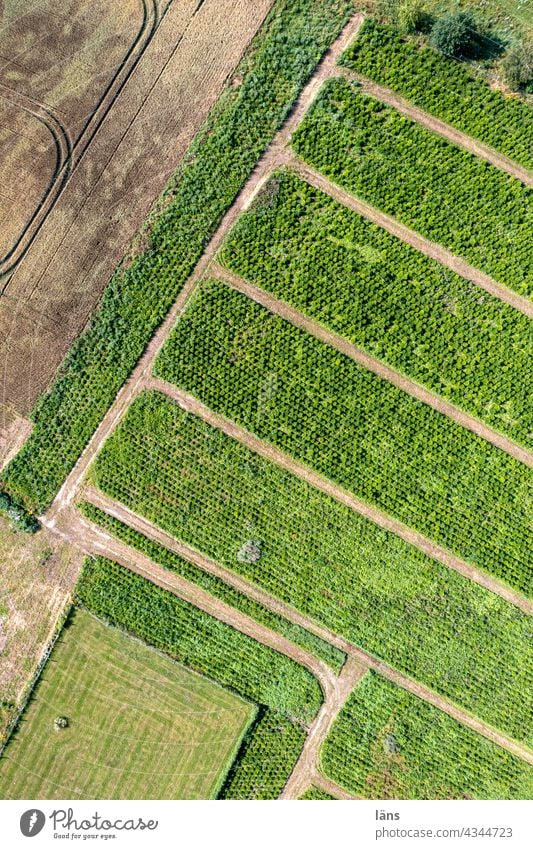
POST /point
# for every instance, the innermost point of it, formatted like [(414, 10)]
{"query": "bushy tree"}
[(518, 65), (453, 34)]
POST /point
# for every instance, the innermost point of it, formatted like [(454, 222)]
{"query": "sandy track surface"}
[(469, 143), (295, 317), (411, 237), (93, 540), (57, 285), (306, 767), (280, 458)]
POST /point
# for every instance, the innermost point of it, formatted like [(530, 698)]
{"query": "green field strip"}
[(395, 303), (286, 693), (445, 193), (443, 87), (266, 760), (218, 164), (355, 428), (216, 586), (140, 725), (334, 566), (387, 743), (196, 639)]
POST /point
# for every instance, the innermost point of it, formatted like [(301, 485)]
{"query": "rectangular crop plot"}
[(139, 724), (317, 555), (387, 743), (392, 301), (445, 88), (354, 427), (445, 193)]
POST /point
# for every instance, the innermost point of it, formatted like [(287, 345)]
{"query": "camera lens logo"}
[(32, 822)]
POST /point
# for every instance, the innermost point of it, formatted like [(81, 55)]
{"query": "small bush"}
[(453, 34), (60, 722), (518, 65)]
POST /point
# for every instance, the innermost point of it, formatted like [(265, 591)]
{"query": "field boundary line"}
[(192, 555), (275, 156), (95, 541), (275, 455), (438, 126), (401, 381), (92, 540), (411, 237), (306, 766)]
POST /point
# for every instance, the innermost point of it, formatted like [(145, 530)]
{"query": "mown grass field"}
[(140, 725)]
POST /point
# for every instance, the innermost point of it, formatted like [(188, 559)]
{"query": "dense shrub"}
[(450, 196), (453, 34), (449, 90), (326, 561), (433, 756)]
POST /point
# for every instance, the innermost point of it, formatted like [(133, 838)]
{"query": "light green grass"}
[(140, 725)]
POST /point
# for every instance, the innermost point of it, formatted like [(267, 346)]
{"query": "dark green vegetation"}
[(266, 759), (445, 193), (314, 794), (316, 554), (388, 744), (19, 517), (286, 692), (446, 89), (355, 428), (388, 298), (332, 656), (137, 299)]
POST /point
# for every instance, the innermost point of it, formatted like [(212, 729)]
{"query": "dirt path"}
[(307, 765), (331, 787), (275, 455), (298, 319), (472, 145), (411, 237), (93, 540), (73, 528)]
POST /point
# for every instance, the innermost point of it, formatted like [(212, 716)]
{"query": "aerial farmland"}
[(266, 429)]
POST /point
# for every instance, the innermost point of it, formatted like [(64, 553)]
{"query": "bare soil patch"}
[(137, 146)]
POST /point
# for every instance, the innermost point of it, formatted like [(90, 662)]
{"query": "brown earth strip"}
[(431, 249), (275, 455), (441, 128), (330, 787), (416, 390), (137, 147)]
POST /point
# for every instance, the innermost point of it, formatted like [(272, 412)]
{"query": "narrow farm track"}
[(152, 532), (441, 128), (94, 541), (280, 458), (331, 787), (416, 390), (307, 765), (411, 237)]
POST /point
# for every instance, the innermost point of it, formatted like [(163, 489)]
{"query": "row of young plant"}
[(288, 693), (444, 87), (387, 743), (355, 428), (445, 193), (394, 302), (326, 561), (216, 586), (138, 297)]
